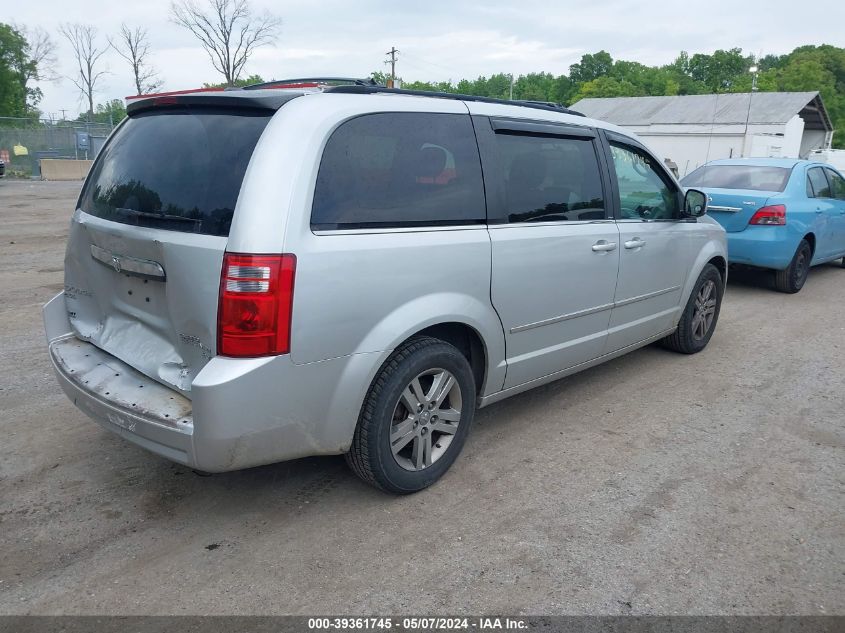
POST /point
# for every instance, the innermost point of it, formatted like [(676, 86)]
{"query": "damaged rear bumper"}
[(241, 413), (123, 400)]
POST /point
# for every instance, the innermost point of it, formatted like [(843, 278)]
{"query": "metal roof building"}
[(692, 129)]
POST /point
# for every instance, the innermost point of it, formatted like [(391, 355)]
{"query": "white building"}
[(693, 129)]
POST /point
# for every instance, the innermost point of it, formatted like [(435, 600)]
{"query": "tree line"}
[(229, 31), (807, 68)]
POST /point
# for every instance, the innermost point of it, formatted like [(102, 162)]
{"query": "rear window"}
[(550, 179), (179, 170), (752, 177), (400, 169)]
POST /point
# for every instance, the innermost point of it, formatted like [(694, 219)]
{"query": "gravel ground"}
[(656, 483)]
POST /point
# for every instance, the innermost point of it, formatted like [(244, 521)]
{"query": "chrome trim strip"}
[(562, 317), (648, 295), (132, 266), (601, 308), (715, 207)]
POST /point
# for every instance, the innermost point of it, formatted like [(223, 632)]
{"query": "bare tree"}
[(82, 38), (133, 45), (228, 31), (42, 54)]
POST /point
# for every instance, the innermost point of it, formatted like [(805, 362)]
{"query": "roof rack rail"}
[(377, 89), (278, 83)]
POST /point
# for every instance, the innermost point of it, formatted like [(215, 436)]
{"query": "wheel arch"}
[(713, 252), (468, 341), (721, 265), (811, 239)]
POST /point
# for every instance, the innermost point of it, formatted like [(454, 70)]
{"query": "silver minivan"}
[(258, 275)]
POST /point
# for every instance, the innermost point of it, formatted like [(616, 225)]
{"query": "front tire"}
[(792, 279), (700, 315), (415, 418)]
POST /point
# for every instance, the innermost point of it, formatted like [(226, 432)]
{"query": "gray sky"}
[(438, 39)]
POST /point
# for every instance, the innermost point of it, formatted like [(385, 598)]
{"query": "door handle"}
[(603, 246), (818, 210), (635, 243)]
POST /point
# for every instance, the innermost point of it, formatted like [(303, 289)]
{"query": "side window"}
[(837, 184), (818, 182), (400, 169), (550, 179), (644, 191)]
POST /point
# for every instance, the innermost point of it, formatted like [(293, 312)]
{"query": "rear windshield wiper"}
[(156, 216)]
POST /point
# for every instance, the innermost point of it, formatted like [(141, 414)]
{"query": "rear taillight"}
[(774, 215), (256, 299)]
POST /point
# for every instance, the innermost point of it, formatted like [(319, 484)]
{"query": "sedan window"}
[(748, 177), (837, 184), (818, 186)]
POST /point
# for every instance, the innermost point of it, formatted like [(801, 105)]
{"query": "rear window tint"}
[(179, 170), (400, 169), (750, 177), (550, 179)]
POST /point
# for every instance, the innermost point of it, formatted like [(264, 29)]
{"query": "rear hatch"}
[(736, 191), (142, 269)]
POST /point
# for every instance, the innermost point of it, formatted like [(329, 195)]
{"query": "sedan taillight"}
[(256, 301), (773, 215)]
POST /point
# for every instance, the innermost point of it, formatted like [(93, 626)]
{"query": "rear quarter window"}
[(399, 169), (175, 169)]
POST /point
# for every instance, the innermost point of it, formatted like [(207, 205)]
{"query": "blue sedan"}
[(780, 213)]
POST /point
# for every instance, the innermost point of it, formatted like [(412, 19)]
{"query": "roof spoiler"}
[(219, 99)]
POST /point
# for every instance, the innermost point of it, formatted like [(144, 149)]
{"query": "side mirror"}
[(695, 203)]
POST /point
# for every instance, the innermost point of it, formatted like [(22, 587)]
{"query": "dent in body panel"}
[(165, 329)]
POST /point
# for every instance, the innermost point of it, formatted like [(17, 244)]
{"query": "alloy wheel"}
[(425, 419), (705, 310)]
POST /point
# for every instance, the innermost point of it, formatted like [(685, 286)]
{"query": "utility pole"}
[(64, 118), (753, 70), (392, 61)]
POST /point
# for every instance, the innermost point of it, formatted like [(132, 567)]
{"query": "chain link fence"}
[(24, 142)]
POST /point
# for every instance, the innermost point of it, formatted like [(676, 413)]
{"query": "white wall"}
[(690, 146), (692, 151)]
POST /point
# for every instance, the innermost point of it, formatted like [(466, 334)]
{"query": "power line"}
[(427, 62)]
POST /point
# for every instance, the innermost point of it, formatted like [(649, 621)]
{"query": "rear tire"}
[(700, 315), (792, 279), (416, 417)]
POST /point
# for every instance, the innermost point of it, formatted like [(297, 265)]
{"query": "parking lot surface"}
[(656, 483)]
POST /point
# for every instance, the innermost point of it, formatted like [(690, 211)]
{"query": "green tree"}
[(591, 66), (18, 98), (606, 87), (719, 71), (238, 83), (807, 68)]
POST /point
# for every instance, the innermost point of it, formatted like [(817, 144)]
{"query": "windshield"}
[(751, 177), (179, 170)]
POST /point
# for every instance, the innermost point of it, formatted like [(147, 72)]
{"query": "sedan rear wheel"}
[(792, 279)]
